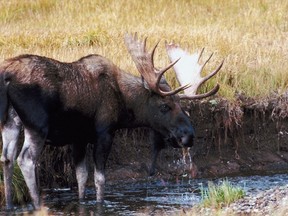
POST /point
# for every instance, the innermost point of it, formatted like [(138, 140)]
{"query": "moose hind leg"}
[(158, 145), (27, 160), (10, 135)]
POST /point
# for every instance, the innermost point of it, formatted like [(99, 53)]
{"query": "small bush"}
[(20, 190), (220, 195)]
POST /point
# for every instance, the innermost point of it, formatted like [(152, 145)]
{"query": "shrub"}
[(221, 194), (20, 190)]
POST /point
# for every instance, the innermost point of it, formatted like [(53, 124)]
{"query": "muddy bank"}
[(243, 137), (247, 136)]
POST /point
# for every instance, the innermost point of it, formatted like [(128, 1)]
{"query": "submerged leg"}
[(10, 136), (79, 157), (82, 176), (101, 151), (158, 144), (27, 160), (99, 178)]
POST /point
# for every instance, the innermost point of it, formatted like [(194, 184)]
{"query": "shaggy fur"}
[(77, 103)]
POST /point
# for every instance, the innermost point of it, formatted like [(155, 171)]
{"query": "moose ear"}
[(163, 85), (145, 84)]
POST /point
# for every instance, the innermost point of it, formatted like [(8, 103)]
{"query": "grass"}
[(20, 190), (217, 196), (250, 35)]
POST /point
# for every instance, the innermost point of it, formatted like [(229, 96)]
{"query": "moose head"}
[(165, 113), (171, 124)]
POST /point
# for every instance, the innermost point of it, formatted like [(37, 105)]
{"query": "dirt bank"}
[(247, 136)]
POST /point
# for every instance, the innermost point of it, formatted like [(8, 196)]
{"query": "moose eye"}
[(164, 108)]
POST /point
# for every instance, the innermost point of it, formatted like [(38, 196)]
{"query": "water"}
[(138, 198), (150, 197)]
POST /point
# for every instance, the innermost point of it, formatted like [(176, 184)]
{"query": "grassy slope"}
[(251, 35)]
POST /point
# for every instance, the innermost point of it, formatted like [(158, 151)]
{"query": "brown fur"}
[(78, 103)]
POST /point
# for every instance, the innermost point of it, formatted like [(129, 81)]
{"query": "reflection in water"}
[(145, 198)]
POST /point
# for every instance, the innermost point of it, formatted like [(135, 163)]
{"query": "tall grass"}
[(217, 196), (20, 190), (250, 35)]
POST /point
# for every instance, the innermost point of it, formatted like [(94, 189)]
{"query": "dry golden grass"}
[(250, 35)]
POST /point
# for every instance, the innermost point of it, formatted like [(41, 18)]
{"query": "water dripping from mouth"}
[(186, 154), (188, 163)]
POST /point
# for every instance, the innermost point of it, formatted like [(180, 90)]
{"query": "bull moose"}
[(86, 101)]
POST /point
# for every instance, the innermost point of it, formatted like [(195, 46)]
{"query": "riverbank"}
[(264, 199), (246, 137), (273, 201)]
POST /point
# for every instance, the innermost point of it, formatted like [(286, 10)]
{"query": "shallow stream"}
[(146, 197)]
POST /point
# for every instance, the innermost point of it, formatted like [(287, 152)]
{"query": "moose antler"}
[(145, 65), (188, 71)]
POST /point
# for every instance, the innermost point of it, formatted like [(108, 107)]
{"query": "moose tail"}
[(3, 98)]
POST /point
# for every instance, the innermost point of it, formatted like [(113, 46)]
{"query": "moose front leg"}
[(99, 178), (158, 144), (81, 176), (79, 157), (101, 151)]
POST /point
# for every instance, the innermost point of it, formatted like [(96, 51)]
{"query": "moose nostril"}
[(189, 132), (187, 137)]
